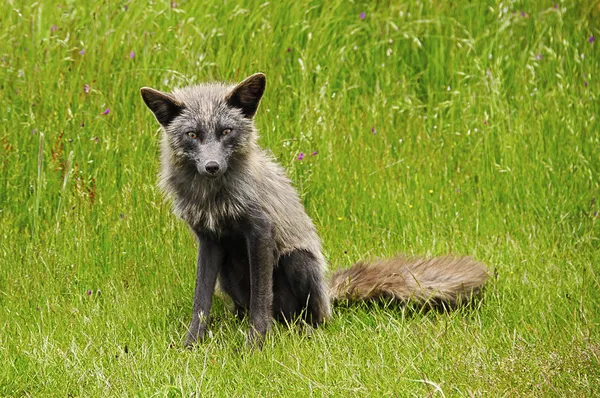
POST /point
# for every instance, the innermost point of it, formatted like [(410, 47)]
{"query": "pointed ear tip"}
[(258, 76), (145, 91)]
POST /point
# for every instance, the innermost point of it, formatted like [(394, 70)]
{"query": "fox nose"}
[(211, 167)]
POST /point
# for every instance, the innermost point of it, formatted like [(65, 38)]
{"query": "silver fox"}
[(252, 230)]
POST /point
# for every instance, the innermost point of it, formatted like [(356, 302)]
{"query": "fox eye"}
[(226, 131), (192, 135)]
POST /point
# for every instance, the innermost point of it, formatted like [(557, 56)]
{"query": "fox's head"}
[(206, 124)]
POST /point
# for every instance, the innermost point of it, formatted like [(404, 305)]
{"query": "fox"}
[(254, 236)]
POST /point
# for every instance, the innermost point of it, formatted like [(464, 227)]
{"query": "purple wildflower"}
[(132, 55), (373, 130), (314, 153), (538, 57), (126, 7), (89, 292), (82, 51), (556, 6), (301, 156), (106, 111), (53, 28), (591, 39), (363, 15), (86, 88)]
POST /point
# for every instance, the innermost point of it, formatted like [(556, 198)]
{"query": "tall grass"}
[(439, 127)]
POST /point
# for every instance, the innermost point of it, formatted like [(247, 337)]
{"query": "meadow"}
[(422, 127)]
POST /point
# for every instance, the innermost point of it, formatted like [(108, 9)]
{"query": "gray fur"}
[(249, 208)]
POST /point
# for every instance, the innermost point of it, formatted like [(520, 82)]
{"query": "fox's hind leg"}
[(299, 289)]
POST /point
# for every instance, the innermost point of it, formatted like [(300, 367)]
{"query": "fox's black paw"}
[(255, 339)]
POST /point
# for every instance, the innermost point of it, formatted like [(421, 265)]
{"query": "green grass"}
[(486, 143)]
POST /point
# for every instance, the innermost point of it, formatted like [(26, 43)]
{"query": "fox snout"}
[(211, 159), (211, 168)]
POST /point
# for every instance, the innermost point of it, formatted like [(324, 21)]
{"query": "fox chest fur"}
[(206, 205)]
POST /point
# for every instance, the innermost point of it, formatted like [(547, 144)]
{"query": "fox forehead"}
[(206, 108)]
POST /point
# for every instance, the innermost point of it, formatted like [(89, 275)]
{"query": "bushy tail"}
[(446, 281)]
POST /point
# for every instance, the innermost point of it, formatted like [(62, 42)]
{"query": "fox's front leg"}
[(261, 256), (210, 260)]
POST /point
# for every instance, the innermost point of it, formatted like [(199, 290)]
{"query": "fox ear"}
[(247, 94), (164, 106)]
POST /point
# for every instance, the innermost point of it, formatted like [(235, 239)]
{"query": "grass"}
[(441, 127)]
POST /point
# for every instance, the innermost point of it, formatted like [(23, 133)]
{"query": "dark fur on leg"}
[(210, 259), (299, 290), (261, 249)]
